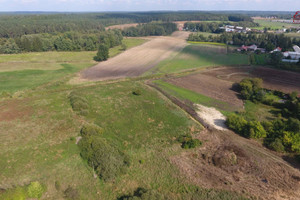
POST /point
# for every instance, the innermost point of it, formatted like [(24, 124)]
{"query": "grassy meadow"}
[(30, 70), (274, 25), (199, 55)]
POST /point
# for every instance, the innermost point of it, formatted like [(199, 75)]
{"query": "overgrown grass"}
[(197, 56), (37, 145), (185, 94), (272, 24), (208, 43), (258, 111)]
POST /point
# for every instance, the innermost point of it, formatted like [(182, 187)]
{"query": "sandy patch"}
[(212, 117)]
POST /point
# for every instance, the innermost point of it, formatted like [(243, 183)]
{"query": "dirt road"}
[(137, 60)]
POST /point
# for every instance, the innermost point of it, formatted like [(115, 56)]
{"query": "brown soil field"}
[(217, 82), (229, 162), (137, 60), (274, 79), (121, 26), (209, 86)]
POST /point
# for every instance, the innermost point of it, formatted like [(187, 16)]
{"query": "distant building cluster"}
[(253, 47), (292, 56), (288, 56), (235, 29)]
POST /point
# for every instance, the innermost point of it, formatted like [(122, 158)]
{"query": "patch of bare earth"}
[(137, 60), (274, 79), (121, 26), (227, 161), (211, 116), (13, 109), (211, 87)]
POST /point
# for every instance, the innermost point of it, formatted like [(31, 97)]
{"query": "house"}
[(278, 49), (253, 47), (292, 56)]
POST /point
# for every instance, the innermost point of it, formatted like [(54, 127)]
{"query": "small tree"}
[(102, 54)]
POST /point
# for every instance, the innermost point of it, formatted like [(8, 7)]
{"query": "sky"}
[(147, 5)]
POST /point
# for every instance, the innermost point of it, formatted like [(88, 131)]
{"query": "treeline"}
[(214, 27), (12, 25), (69, 41), (269, 41), (163, 28), (281, 134)]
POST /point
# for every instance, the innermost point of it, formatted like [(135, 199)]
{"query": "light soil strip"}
[(137, 60)]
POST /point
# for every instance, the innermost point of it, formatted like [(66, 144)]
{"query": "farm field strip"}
[(138, 60)]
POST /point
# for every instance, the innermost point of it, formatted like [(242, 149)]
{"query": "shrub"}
[(236, 123), (277, 145), (137, 92), (187, 142), (255, 130), (91, 129), (71, 193), (35, 190), (57, 185), (107, 161), (79, 104)]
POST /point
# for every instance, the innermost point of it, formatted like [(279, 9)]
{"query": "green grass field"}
[(199, 55), (273, 24), (30, 70), (36, 143), (185, 94)]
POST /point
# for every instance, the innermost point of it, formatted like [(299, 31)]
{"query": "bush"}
[(137, 92), (255, 130), (107, 161), (79, 104), (276, 145), (57, 185), (91, 129), (35, 190), (236, 123), (187, 142), (71, 193)]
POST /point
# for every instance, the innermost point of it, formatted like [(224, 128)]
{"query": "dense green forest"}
[(69, 41), (150, 29), (16, 25)]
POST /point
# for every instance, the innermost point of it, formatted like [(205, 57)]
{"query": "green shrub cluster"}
[(33, 190), (107, 161), (251, 129), (187, 142), (79, 104), (281, 134), (251, 89)]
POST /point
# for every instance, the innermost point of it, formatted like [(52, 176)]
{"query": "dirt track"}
[(137, 60), (122, 26)]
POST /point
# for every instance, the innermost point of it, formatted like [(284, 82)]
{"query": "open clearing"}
[(121, 26), (138, 60)]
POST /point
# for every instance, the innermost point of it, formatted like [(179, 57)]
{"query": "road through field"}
[(137, 60)]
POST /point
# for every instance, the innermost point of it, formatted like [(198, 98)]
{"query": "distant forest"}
[(33, 32)]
